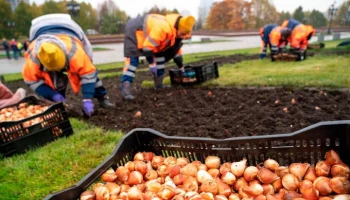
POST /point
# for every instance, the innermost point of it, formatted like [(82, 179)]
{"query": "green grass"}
[(57, 165), (319, 71)]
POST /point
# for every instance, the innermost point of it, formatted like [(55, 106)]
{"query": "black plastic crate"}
[(17, 137), (306, 145), (193, 75)]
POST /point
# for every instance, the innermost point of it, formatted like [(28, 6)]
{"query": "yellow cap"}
[(186, 24), (51, 56)]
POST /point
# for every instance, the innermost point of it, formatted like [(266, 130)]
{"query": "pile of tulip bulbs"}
[(23, 111), (151, 177)]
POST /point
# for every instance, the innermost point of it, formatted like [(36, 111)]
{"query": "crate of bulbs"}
[(31, 122), (309, 164)]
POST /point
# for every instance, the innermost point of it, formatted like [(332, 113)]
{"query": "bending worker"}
[(59, 46), (279, 37), (159, 39), (265, 39), (301, 34)]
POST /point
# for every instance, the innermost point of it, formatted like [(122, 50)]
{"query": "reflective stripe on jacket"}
[(276, 39), (80, 68)]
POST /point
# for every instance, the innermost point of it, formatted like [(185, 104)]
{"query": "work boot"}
[(158, 82), (105, 103), (126, 90)]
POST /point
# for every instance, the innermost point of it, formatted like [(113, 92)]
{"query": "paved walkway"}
[(116, 54)]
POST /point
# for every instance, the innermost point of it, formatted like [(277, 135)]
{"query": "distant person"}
[(8, 98), (13, 45), (265, 39), (20, 48), (301, 34), (159, 39), (6, 46)]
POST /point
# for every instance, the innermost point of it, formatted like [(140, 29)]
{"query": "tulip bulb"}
[(226, 167), (234, 197), (342, 197), (260, 197), (268, 189), (153, 186), (209, 186), (277, 185), (178, 197), (241, 182), (310, 194), (134, 193), (182, 161), (148, 156), (223, 188), (271, 164), (190, 184), (212, 162), (109, 176), (139, 157), (290, 195), (254, 182), (122, 173), (266, 176), (141, 167), (310, 174), (167, 192), (322, 168), (203, 175), (101, 192), (163, 170), (250, 173), (290, 182), (341, 170), (130, 166), (113, 188), (326, 198), (189, 170), (170, 160), (304, 184), (215, 173), (157, 161), (220, 197), (340, 185), (179, 179), (332, 158), (207, 196), (281, 171), (124, 188), (322, 184), (88, 195), (150, 175), (228, 178), (299, 169), (237, 168), (135, 178), (253, 190)]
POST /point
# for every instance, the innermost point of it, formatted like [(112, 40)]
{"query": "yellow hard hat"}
[(186, 24), (51, 56)]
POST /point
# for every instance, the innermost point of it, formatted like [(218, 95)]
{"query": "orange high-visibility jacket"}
[(276, 39), (80, 68), (299, 38), (158, 33)]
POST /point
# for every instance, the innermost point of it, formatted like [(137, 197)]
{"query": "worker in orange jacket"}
[(55, 52), (279, 37), (301, 34), (159, 39), (265, 39)]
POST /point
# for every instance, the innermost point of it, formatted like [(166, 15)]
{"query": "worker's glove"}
[(88, 107), (58, 98), (262, 55), (153, 69)]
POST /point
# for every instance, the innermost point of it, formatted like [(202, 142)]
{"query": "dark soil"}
[(216, 112)]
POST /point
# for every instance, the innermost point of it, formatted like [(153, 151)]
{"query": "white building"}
[(14, 3)]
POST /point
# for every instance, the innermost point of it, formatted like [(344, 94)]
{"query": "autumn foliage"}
[(240, 14)]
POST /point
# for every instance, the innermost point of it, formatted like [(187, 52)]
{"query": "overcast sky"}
[(133, 7)]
